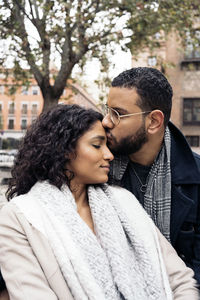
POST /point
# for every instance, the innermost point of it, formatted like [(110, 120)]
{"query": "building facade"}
[(17, 112), (182, 68)]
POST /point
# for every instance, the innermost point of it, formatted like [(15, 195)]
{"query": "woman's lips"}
[(107, 167)]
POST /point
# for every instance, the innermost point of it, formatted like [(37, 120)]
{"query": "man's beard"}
[(129, 144)]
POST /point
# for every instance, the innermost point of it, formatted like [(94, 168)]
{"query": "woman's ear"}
[(155, 121)]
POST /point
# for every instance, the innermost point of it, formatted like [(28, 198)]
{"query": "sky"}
[(122, 62)]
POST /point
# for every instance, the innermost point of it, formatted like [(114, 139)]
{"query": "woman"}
[(67, 235)]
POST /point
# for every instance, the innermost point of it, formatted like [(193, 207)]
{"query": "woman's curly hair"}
[(45, 149)]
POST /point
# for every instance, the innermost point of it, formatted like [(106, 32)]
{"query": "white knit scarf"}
[(122, 261)]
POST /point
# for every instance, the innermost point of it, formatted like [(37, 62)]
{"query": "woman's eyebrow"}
[(98, 137)]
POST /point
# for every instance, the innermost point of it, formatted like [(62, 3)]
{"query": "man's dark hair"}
[(47, 146), (152, 86)]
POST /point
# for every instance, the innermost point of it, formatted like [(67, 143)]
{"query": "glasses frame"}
[(110, 109)]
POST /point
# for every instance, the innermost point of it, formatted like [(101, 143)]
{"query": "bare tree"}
[(38, 31)]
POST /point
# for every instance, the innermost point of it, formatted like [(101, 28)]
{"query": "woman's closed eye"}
[(96, 146)]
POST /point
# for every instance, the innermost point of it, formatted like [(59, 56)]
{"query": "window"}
[(35, 90), (1, 89), (193, 140), (193, 45), (11, 123), (24, 90), (11, 108), (24, 109), (152, 61), (23, 124), (191, 111), (34, 109)]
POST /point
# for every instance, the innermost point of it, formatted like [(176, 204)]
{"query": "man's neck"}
[(149, 151)]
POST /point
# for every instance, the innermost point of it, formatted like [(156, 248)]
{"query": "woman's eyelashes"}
[(96, 146)]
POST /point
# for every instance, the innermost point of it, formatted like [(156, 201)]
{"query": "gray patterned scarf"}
[(157, 198)]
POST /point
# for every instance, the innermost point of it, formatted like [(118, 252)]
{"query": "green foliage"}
[(69, 32), (166, 16)]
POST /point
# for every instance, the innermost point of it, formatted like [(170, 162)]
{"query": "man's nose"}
[(106, 122)]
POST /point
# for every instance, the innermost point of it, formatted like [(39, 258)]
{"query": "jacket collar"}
[(184, 168)]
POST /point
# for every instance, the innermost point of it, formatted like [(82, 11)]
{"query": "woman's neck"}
[(79, 192)]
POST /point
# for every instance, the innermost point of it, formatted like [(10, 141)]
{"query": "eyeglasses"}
[(115, 116)]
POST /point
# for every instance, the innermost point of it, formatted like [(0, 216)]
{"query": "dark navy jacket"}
[(185, 198), (2, 283), (185, 201)]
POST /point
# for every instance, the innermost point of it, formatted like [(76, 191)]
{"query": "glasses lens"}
[(105, 109), (114, 116)]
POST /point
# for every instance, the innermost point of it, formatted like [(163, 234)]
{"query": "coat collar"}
[(184, 168)]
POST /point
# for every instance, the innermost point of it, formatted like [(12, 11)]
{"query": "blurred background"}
[(69, 52)]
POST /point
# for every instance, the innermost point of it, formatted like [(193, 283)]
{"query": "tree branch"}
[(22, 34)]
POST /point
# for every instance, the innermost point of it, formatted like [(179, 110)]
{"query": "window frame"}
[(13, 119), (35, 88), (192, 121), (191, 138), (32, 111), (24, 103), (24, 119)]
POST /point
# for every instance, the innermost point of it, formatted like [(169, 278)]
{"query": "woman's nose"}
[(108, 154)]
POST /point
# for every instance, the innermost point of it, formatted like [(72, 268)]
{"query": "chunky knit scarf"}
[(122, 261), (157, 198)]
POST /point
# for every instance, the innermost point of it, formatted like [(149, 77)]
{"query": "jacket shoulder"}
[(10, 218), (8, 210), (197, 158)]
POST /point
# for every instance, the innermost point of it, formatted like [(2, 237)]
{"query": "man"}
[(153, 159)]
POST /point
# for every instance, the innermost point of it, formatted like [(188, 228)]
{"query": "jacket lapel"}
[(184, 171)]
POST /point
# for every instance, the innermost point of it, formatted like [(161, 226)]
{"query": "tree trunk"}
[(49, 102)]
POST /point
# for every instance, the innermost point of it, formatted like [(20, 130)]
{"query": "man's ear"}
[(155, 121)]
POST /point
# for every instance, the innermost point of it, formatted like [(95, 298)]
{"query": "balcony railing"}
[(191, 60), (11, 111), (34, 112), (24, 111)]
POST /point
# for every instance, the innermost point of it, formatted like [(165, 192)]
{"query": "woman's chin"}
[(103, 180)]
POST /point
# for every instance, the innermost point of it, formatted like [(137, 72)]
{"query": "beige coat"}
[(31, 271)]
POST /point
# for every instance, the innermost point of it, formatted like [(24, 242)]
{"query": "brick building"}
[(18, 112), (182, 68)]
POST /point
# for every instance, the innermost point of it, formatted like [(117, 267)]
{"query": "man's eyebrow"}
[(122, 110)]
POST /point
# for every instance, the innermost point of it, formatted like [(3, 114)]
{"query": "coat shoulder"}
[(197, 159)]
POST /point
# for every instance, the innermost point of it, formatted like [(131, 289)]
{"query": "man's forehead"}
[(121, 96)]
